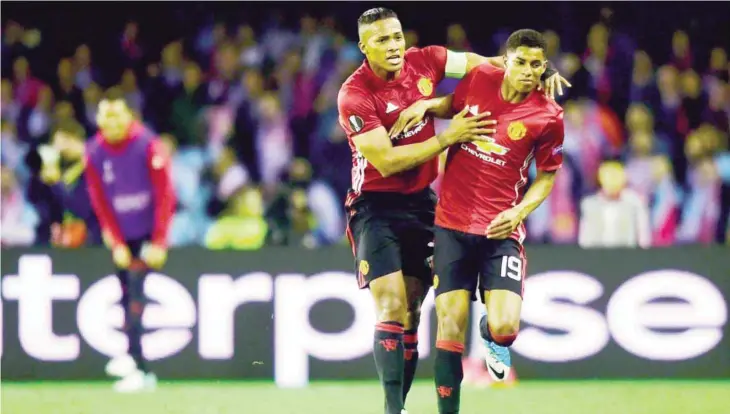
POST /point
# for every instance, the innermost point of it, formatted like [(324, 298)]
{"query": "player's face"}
[(524, 66), (114, 119), (384, 44)]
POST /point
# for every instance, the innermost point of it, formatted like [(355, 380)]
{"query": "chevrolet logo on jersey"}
[(491, 147)]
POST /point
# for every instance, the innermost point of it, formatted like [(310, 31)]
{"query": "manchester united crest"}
[(364, 267), (425, 86), (516, 130)]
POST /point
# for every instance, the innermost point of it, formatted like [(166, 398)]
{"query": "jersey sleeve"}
[(357, 111), (461, 92), (436, 58), (163, 190), (549, 151)]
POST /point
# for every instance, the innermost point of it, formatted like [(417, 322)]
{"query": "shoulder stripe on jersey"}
[(455, 64)]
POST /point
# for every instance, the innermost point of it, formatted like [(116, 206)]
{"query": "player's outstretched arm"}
[(473, 60), (378, 149), (439, 107)]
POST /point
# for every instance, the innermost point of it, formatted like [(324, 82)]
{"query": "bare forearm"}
[(537, 193), (405, 157), (441, 107), (473, 60)]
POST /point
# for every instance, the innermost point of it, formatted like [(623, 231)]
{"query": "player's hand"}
[(504, 224), (154, 255), (473, 128), (122, 256), (408, 118), (553, 84)]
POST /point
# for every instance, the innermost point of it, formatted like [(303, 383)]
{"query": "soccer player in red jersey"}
[(482, 206), (132, 195), (390, 205)]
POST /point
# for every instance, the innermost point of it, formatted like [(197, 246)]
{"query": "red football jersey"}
[(482, 179), (366, 102)]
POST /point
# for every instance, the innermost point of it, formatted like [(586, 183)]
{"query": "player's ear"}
[(361, 45)]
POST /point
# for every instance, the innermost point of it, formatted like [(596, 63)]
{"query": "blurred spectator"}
[(701, 212), (552, 40), (273, 140), (131, 92), (224, 75), (10, 107), (12, 151), (229, 176), (65, 88), (38, 119), (296, 96), (256, 105), (718, 68), (209, 38), (681, 52), (615, 217), (19, 221), (242, 227), (277, 38), (26, 86), (86, 72), (693, 101), (250, 53), (43, 163), (556, 219), (80, 224), (186, 119), (717, 111), (643, 85), (411, 39), (456, 38), (585, 142), (12, 45), (172, 65), (671, 100), (92, 96), (665, 203), (187, 165), (286, 209), (129, 45)]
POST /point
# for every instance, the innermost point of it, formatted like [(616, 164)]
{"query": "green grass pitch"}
[(528, 397)]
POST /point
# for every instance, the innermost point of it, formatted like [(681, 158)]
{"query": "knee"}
[(504, 330), (452, 325), (391, 307), (413, 317)]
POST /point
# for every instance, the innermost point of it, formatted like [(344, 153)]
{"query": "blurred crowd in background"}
[(248, 114)]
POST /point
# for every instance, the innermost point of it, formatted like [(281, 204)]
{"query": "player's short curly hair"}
[(375, 14), (525, 37)]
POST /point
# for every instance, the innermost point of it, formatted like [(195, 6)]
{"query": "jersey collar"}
[(380, 82)]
